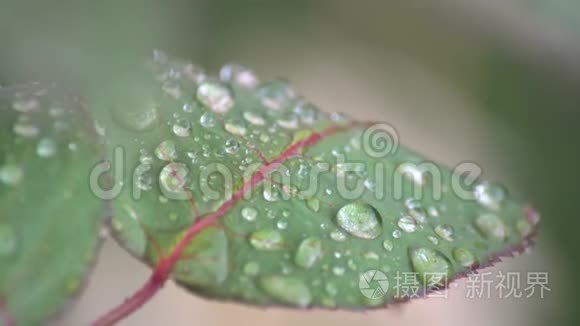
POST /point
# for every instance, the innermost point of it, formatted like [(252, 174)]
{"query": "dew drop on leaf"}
[(360, 219), (489, 195), (249, 213), (267, 239), (407, 224), (46, 148), (445, 232), (215, 96), (309, 251), (287, 289), (11, 174), (432, 267), (207, 120), (464, 257), (491, 226), (166, 151), (388, 245)]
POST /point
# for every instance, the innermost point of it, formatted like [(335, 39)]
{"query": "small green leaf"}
[(287, 204), (49, 220)]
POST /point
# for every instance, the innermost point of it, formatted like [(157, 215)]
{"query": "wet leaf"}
[(287, 204), (49, 220)]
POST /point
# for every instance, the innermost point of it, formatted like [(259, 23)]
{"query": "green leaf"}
[(49, 220), (286, 204)]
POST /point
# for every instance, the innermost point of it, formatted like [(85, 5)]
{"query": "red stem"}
[(163, 269)]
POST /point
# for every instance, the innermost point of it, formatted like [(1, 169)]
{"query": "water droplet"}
[(25, 129), (144, 180), (445, 232), (251, 268), (216, 96), (254, 118), (207, 120), (271, 194), (360, 219), (11, 174), (276, 95), (166, 151), (309, 251), (338, 270), (26, 104), (8, 241), (397, 234), (46, 148), (235, 127), (432, 268), (464, 257), (337, 235), (416, 210), (287, 289), (173, 178), (407, 224), (489, 195), (306, 112), (182, 128), (249, 213), (313, 203), (491, 226), (433, 239), (239, 75), (267, 240), (232, 146), (388, 245), (282, 224)]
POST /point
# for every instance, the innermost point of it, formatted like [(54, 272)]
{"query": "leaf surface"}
[(49, 219), (247, 192)]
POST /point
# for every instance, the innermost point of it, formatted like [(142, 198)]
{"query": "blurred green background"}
[(496, 82)]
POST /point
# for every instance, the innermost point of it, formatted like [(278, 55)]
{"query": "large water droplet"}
[(173, 178), (232, 146), (267, 240), (287, 289), (313, 203), (216, 96), (143, 178), (416, 210), (464, 257), (388, 245), (489, 195), (432, 268), (8, 241), (207, 120), (249, 213), (166, 151), (309, 251), (182, 128), (407, 224), (239, 75), (46, 148), (11, 174), (360, 219), (491, 226), (26, 129), (445, 232), (254, 118), (276, 95)]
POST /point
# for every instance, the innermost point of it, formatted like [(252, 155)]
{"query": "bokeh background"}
[(492, 81)]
